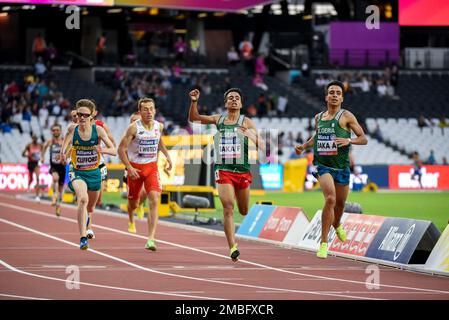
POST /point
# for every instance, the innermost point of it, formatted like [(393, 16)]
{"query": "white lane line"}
[(21, 297), (10, 267), (42, 213), (170, 274)]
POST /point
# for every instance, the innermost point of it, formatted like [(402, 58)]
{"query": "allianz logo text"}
[(395, 241)]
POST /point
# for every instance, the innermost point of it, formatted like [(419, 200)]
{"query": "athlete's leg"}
[(153, 200), (327, 217), (226, 193), (100, 193), (132, 205), (55, 176), (341, 193), (143, 197), (93, 198), (36, 172), (80, 188), (242, 197)]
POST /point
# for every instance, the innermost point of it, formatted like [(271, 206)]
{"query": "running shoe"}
[(322, 252), (53, 200), (132, 227), (37, 199), (58, 210), (234, 253), (84, 245), (341, 233), (140, 211), (90, 234), (150, 245)]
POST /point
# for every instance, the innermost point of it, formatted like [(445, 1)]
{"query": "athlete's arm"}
[(110, 148), (309, 144), (44, 149), (353, 125), (164, 150), (130, 133), (25, 151), (194, 115), (253, 135), (67, 141), (108, 132)]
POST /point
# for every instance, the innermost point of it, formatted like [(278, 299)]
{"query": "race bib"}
[(104, 172), (217, 175), (148, 148), (55, 151), (326, 145), (86, 159), (71, 175), (230, 146), (36, 156)]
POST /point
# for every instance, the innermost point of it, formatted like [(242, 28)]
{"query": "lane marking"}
[(21, 297), (99, 285), (42, 213), (170, 274)]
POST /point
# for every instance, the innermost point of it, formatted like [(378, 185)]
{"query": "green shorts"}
[(91, 177)]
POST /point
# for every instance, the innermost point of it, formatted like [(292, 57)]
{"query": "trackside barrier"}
[(280, 224), (395, 242), (439, 258)]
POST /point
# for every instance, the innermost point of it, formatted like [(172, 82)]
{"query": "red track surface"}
[(36, 247)]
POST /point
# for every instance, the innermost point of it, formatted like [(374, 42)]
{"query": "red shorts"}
[(149, 177), (239, 180)]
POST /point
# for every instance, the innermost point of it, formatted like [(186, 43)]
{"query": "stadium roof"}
[(204, 5)]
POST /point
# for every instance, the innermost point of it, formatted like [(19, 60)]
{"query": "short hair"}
[(225, 96), (56, 125), (86, 103), (334, 83), (143, 100)]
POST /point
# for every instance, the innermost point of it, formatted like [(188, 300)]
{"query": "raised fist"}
[(194, 95)]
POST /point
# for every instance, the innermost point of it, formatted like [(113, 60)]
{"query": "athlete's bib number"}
[(71, 175), (86, 159), (148, 148), (230, 146), (36, 156), (326, 145), (217, 175), (104, 172)]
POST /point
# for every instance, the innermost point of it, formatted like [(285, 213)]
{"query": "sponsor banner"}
[(279, 223), (297, 230), (377, 174), (439, 258), (432, 177), (397, 239), (312, 236), (255, 220), (360, 232), (14, 177), (272, 178)]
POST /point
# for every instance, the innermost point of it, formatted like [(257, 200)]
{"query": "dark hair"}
[(335, 83), (233, 90)]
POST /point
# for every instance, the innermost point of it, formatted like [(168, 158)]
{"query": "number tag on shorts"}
[(104, 172), (217, 175), (71, 175)]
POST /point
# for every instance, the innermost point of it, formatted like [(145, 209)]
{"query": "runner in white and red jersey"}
[(139, 151)]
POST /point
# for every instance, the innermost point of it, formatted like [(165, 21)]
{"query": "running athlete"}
[(232, 168), (57, 169), (331, 143), (140, 211), (103, 169), (33, 152), (84, 172), (138, 151)]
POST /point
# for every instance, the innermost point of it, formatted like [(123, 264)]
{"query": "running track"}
[(36, 247)]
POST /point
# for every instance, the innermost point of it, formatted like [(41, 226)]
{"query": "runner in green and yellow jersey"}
[(232, 167), (331, 143), (84, 172)]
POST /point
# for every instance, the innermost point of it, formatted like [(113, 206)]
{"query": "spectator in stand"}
[(445, 163), (262, 105), (40, 68), (381, 88), (251, 111), (282, 105), (443, 123), (258, 82), (246, 49), (118, 73), (180, 49), (422, 122), (51, 54), (261, 68), (431, 160), (394, 76), (101, 48), (39, 47), (194, 45), (233, 56)]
